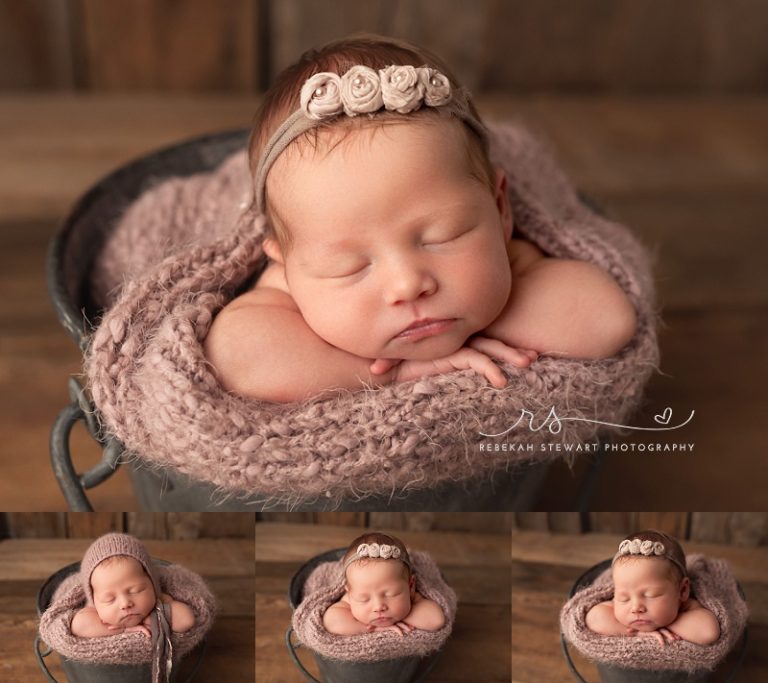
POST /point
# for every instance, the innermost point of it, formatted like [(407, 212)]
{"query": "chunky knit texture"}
[(156, 393), (325, 585), (713, 585), (126, 648)]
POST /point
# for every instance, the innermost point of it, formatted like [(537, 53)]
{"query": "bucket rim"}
[(67, 312)]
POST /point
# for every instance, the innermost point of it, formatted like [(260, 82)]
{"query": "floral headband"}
[(646, 548), (376, 551), (361, 90)]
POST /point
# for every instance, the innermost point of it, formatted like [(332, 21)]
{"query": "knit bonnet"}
[(110, 545)]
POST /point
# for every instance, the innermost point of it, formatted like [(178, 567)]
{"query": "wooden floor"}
[(690, 175), (475, 565), (545, 567), (226, 565)]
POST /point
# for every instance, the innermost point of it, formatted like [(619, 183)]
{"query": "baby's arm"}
[(338, 619), (87, 624), (696, 624), (600, 619), (563, 307), (425, 614), (182, 616)]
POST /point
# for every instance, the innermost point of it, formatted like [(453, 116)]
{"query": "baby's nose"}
[(409, 282)]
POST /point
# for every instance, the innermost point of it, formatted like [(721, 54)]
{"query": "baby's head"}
[(650, 581), (379, 581), (119, 580), (386, 209)]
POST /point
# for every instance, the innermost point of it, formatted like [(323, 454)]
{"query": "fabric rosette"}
[(321, 96), (361, 91), (401, 88), (437, 87)]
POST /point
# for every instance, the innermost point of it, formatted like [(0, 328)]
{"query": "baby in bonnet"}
[(390, 237), (123, 593), (652, 595), (380, 591)]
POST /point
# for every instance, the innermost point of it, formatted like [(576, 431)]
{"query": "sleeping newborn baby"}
[(652, 595), (123, 592), (391, 240), (380, 591)]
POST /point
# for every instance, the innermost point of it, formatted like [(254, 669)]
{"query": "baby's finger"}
[(485, 366), (383, 365), (494, 348)]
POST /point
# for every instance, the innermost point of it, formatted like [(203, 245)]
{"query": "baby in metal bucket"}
[(652, 595), (391, 242), (123, 593), (380, 591)]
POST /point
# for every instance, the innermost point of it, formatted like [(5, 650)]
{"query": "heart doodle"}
[(665, 417)]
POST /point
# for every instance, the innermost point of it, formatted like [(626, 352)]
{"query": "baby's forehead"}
[(635, 569)]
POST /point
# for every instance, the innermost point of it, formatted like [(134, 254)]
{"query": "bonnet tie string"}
[(162, 648)]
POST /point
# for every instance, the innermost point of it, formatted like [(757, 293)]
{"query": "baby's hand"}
[(663, 635), (477, 356), (401, 628)]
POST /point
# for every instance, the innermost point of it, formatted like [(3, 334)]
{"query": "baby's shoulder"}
[(522, 255)]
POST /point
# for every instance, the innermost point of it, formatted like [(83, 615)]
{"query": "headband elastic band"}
[(380, 551), (361, 90)]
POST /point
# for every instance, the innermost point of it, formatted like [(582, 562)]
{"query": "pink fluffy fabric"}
[(325, 585), (156, 393), (713, 585), (126, 648)]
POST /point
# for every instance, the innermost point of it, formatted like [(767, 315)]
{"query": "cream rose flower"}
[(385, 552), (658, 548), (362, 549), (321, 96), (373, 550), (361, 91), (437, 87), (646, 547), (401, 88)]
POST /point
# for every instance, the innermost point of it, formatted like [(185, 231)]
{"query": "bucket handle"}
[(292, 652), (39, 656), (72, 484)]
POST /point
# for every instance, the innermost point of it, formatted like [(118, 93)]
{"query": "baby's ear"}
[(685, 589), (502, 201), (273, 250)]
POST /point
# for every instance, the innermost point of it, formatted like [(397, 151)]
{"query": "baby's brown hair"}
[(673, 551), (375, 52), (380, 539)]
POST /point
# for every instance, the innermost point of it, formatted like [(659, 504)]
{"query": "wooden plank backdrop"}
[(483, 522), (236, 46), (146, 525), (726, 528)]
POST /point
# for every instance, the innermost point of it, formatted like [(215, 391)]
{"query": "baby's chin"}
[(131, 620)]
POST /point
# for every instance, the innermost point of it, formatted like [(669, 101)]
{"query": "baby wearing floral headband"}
[(652, 595), (380, 591), (391, 240)]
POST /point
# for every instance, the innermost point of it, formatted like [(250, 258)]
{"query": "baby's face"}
[(379, 594), (122, 592), (398, 252), (646, 596)]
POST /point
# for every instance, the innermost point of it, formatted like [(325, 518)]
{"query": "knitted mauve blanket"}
[(126, 648), (713, 585), (325, 585), (156, 393)]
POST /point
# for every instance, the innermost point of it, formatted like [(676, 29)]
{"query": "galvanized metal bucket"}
[(71, 257), (401, 670), (725, 672), (91, 672)]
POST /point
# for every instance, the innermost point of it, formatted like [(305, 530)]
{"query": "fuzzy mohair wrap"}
[(156, 393), (325, 585), (712, 584), (126, 648)]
